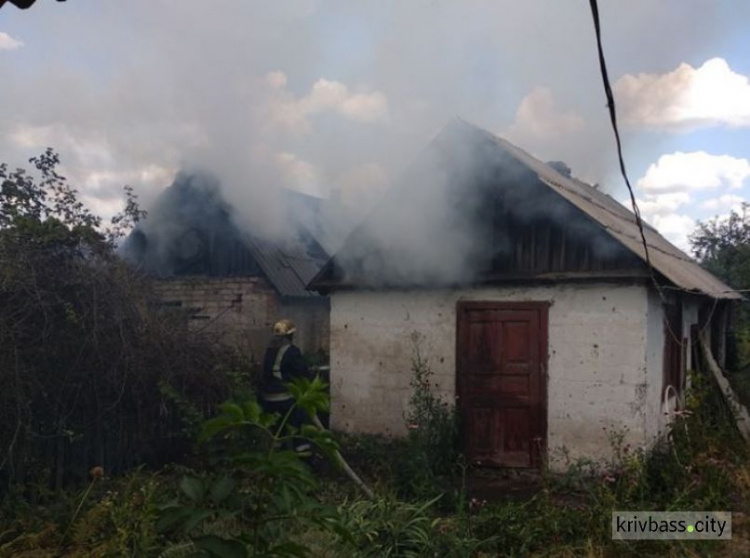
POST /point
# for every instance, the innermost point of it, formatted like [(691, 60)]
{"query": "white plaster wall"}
[(655, 418), (596, 369)]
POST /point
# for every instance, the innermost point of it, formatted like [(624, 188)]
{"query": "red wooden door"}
[(502, 358)]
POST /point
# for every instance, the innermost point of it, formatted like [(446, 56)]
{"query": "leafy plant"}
[(384, 527), (265, 493), (432, 452), (722, 245)]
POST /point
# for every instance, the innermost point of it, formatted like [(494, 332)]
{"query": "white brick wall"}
[(241, 311)]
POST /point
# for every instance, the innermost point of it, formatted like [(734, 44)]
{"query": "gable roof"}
[(191, 232), (618, 222)]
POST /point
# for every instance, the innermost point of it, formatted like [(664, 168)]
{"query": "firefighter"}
[(283, 363)]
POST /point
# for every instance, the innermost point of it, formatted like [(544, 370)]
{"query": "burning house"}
[(530, 295), (233, 284)]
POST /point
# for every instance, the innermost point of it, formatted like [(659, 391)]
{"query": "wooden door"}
[(501, 362)]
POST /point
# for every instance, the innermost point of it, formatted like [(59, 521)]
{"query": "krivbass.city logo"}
[(648, 525)]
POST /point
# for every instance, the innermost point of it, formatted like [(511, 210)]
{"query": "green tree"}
[(722, 246)]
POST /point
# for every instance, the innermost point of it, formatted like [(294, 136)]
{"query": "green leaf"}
[(193, 488), (323, 439), (221, 548), (172, 518), (252, 411), (214, 426), (309, 395), (221, 489), (194, 518), (233, 410)]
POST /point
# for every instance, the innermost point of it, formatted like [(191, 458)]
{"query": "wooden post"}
[(740, 412)]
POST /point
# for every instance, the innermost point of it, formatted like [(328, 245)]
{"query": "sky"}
[(326, 95)]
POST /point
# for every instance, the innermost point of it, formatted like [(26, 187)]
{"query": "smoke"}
[(314, 94), (176, 234), (466, 209)]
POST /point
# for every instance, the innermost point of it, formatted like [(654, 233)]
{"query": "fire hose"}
[(345, 466)]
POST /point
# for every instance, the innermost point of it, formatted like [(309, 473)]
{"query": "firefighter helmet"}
[(284, 327)]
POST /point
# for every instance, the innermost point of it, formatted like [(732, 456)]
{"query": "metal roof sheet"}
[(621, 224), (288, 267), (612, 216)]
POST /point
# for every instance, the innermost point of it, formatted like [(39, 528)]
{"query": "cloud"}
[(9, 43), (660, 204), (354, 89), (675, 228), (682, 172), (92, 166), (670, 185), (293, 114), (661, 210), (724, 201), (538, 116), (686, 98)]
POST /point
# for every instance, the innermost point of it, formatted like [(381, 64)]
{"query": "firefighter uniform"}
[(283, 363)]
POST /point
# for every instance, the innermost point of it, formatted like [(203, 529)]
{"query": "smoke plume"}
[(313, 94)]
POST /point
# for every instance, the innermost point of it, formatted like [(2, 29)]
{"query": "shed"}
[(529, 294), (233, 284)]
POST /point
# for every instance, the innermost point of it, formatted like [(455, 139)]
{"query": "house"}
[(232, 284), (531, 296)]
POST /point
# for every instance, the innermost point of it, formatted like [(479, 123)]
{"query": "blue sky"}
[(319, 94)]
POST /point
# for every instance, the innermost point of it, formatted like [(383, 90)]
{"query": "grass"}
[(565, 517), (425, 510)]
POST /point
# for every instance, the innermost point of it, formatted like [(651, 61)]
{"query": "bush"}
[(432, 457), (85, 354), (258, 496)]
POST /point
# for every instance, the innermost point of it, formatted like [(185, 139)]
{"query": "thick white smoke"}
[(313, 94)]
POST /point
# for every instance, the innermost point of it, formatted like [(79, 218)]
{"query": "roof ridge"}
[(671, 262)]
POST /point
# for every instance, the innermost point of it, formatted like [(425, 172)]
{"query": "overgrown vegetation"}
[(702, 465), (722, 246), (87, 364), (96, 375), (432, 458), (249, 496)]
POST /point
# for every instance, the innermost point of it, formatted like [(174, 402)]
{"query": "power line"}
[(638, 220), (613, 119), (636, 211)]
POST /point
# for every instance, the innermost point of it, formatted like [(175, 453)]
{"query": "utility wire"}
[(613, 119)]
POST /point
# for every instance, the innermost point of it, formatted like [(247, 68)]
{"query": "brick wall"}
[(240, 311)]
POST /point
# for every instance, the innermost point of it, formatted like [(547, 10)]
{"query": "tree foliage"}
[(723, 247), (83, 346)]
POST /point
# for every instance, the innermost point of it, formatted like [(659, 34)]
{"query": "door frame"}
[(462, 306)]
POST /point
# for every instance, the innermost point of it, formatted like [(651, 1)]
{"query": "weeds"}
[(431, 457), (108, 518), (263, 496), (254, 498)]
